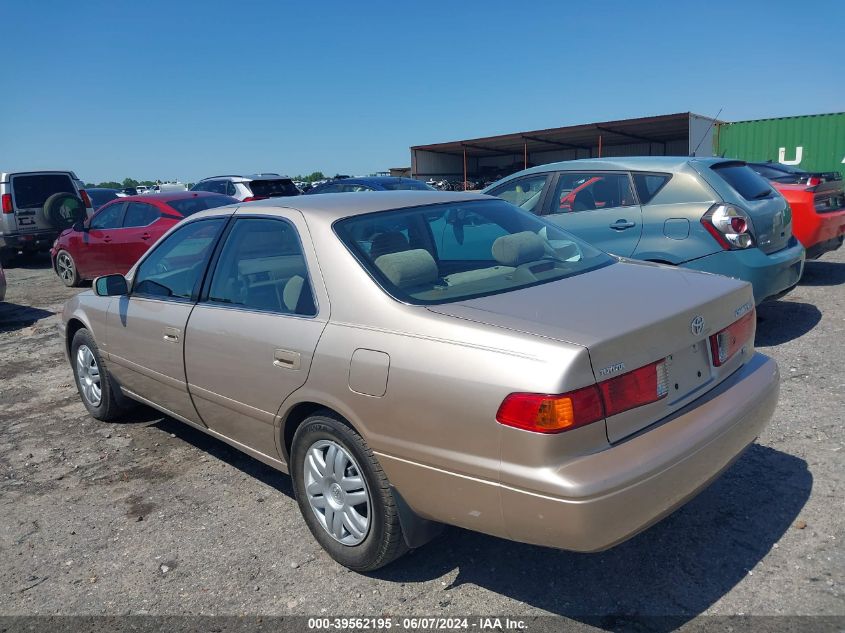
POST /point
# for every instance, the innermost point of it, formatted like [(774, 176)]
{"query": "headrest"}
[(389, 242), (408, 268), (292, 292), (518, 248)]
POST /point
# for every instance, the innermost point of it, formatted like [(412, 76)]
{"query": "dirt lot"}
[(149, 516)]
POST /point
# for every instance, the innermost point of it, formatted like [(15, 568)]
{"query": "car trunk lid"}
[(629, 315)]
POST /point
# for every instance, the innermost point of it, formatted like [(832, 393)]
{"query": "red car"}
[(113, 239), (817, 201)]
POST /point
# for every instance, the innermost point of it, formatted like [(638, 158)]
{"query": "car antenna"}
[(709, 127)]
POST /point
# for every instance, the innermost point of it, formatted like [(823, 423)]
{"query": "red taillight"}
[(729, 226), (551, 413), (724, 344), (813, 181), (85, 199), (642, 386), (251, 198), (7, 203)]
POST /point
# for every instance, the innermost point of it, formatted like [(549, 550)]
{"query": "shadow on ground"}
[(14, 316), (676, 569), (783, 320), (819, 272), (30, 261)]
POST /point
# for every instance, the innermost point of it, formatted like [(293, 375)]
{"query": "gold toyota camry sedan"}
[(414, 359)]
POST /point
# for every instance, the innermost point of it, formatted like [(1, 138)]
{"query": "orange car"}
[(817, 202)]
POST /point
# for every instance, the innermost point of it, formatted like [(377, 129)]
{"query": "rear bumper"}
[(820, 232), (771, 275), (38, 241), (607, 497)]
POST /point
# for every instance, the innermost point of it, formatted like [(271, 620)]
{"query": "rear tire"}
[(344, 495), (92, 378), (66, 269)]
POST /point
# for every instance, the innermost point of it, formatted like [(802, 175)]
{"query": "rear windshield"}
[(451, 252), (189, 206), (406, 185), (100, 196), (31, 191), (273, 188), (744, 180)]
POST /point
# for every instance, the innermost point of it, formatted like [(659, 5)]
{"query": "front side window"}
[(262, 267), (588, 192), (108, 217), (273, 188), (494, 248), (175, 266), (140, 214), (524, 193)]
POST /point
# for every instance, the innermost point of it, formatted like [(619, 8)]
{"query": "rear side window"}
[(744, 180), (189, 206), (407, 185), (262, 267), (591, 192), (649, 184), (140, 214), (31, 191), (273, 188)]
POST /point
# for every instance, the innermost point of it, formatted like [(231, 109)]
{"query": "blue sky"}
[(189, 89)]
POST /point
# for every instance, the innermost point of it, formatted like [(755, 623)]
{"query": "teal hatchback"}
[(709, 214)]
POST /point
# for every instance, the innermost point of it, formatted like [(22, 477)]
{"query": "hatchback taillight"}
[(252, 198), (729, 226), (85, 199), (724, 344), (553, 413), (814, 181), (7, 203)]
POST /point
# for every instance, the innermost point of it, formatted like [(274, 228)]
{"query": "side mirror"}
[(111, 286)]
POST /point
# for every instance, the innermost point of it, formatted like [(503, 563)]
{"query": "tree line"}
[(127, 182)]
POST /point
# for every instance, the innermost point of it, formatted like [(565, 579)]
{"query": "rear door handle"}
[(621, 225), (287, 359), (171, 334), (107, 238), (145, 236)]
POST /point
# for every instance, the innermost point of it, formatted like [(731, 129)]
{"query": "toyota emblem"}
[(697, 324)]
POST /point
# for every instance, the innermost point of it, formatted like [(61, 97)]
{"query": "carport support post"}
[(599, 145), (525, 154), (465, 168)]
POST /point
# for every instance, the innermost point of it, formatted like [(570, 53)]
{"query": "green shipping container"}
[(814, 142)]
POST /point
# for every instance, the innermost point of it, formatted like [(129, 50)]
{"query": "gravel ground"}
[(150, 516)]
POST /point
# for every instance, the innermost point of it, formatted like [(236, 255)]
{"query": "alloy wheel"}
[(88, 373)]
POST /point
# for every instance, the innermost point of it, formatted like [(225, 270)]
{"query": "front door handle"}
[(171, 334), (621, 225), (287, 359), (107, 238)]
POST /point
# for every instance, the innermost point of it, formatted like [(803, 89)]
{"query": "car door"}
[(138, 234), (252, 336), (99, 250), (599, 207), (146, 330)]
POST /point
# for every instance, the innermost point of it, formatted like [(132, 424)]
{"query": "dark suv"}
[(36, 207)]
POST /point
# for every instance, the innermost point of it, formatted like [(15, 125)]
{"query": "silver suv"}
[(248, 188), (36, 207)]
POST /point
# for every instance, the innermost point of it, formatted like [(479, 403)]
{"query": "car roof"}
[(248, 177), (334, 206), (168, 197), (638, 163), (371, 180)]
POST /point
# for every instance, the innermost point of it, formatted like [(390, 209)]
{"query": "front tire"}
[(92, 378), (66, 269), (344, 495)]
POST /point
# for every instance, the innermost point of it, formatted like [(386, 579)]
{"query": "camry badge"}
[(697, 324)]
